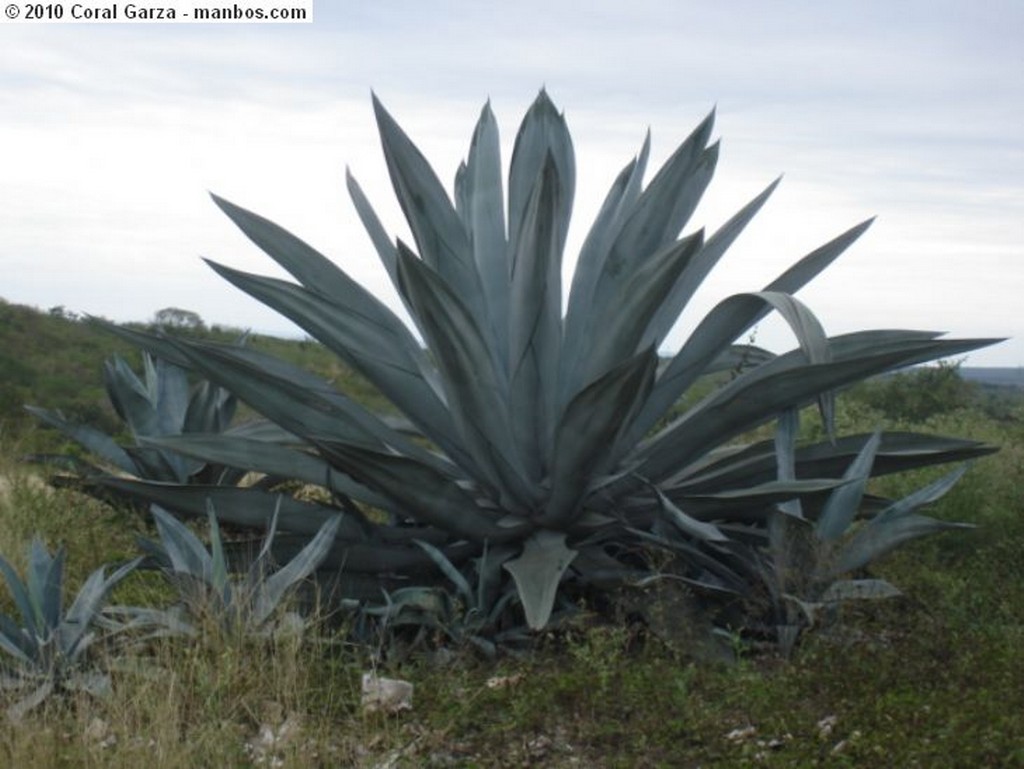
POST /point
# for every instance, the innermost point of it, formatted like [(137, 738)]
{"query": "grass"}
[(932, 679)]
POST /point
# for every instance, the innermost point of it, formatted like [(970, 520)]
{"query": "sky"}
[(111, 136)]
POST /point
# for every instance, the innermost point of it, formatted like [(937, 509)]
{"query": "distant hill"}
[(55, 359), (998, 377)]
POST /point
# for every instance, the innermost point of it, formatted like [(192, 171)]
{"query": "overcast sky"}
[(111, 136)]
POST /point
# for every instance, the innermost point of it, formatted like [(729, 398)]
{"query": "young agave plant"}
[(209, 596), (46, 648), (159, 403), (528, 428)]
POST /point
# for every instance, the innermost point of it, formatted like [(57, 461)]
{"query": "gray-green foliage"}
[(161, 402), (45, 648), (209, 596), (530, 429)]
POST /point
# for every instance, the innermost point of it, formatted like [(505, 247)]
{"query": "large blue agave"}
[(532, 435)]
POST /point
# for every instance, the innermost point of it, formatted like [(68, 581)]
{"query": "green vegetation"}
[(658, 559), (930, 679)]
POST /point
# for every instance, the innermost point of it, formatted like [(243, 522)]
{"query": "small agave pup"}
[(533, 435)]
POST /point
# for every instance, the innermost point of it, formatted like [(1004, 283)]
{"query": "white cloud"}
[(113, 135)]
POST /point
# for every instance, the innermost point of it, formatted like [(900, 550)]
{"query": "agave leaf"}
[(785, 382), (14, 641), (785, 450), (925, 496), (700, 265), (210, 409), (875, 540), (248, 507), (725, 323), (843, 504), (542, 134), (731, 503), (484, 220), (477, 391), (388, 357), (665, 206), (302, 410), (897, 451), (170, 384), (156, 465), (712, 337), (537, 572), (617, 206), (440, 236), (45, 586), (421, 492), (98, 443), (382, 242), (277, 585), (307, 265), (536, 325), (453, 574), (20, 593), (269, 458), (701, 530), (588, 429), (631, 295), (85, 609), (184, 550), (132, 399), (219, 580)]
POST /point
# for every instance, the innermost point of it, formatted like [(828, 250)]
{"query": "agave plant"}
[(210, 598), (799, 570), (160, 403), (46, 649), (527, 428)]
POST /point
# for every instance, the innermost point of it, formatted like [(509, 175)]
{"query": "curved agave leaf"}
[(785, 382), (727, 322), (312, 269), (872, 542), (688, 525)]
